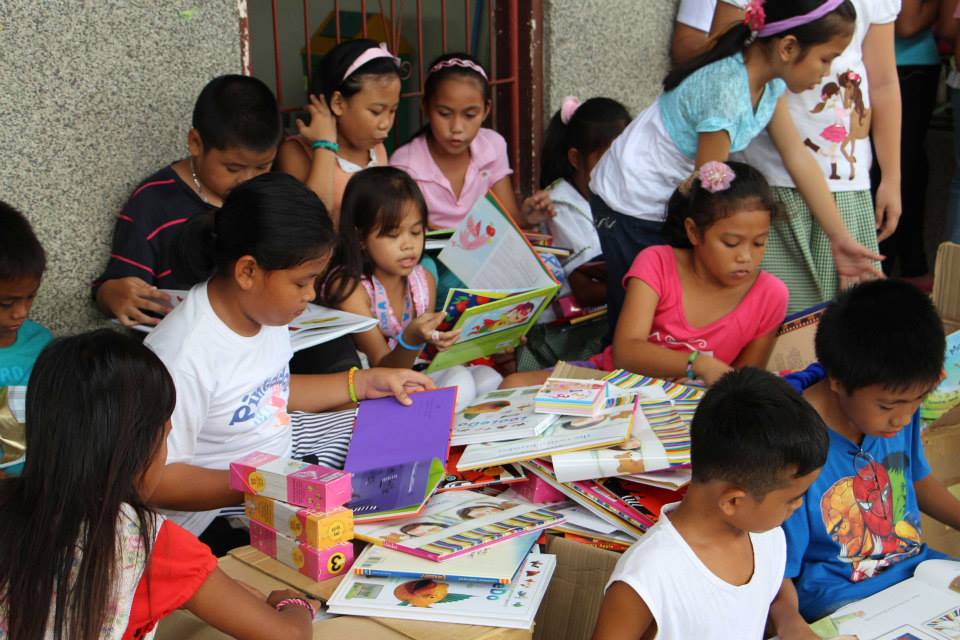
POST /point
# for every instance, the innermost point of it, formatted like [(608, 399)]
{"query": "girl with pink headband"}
[(715, 105), (353, 103), (454, 159), (836, 119)]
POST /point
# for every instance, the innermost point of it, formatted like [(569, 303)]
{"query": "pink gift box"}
[(316, 564), (291, 481), (537, 491)]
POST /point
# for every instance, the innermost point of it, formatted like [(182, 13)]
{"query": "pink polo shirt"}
[(761, 310), (488, 165)]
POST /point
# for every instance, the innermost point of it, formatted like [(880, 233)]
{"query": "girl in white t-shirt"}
[(577, 136), (858, 100), (227, 347)]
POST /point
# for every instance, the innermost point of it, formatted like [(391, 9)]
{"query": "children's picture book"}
[(502, 414), (793, 349), (924, 607), (314, 326), (565, 434), (457, 480), (457, 523), (947, 394), (488, 252), (497, 563), (398, 454), (481, 603)]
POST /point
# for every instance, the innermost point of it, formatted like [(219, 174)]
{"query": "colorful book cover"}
[(481, 603), (394, 447), (497, 563), (566, 434), (947, 394), (489, 252), (503, 414), (456, 480), (456, 523)]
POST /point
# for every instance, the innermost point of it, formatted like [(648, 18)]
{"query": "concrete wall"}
[(95, 96), (613, 48)]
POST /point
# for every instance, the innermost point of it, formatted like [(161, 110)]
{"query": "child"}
[(99, 563), (865, 107), (453, 158), (358, 83), (859, 531), (702, 306), (227, 347), (576, 138), (236, 129), (385, 216), (713, 106), (22, 262), (713, 564)]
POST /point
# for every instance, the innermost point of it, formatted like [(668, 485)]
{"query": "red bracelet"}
[(297, 602)]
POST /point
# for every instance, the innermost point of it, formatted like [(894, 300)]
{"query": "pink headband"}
[(459, 62), (568, 107), (773, 28), (370, 54)]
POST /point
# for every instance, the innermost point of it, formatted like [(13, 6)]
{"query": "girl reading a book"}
[(377, 273), (699, 307), (227, 347), (82, 555), (454, 159)]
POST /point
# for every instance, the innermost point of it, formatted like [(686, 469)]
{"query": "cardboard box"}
[(316, 564), (317, 529), (291, 481), (946, 285)]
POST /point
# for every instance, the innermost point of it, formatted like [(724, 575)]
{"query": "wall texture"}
[(613, 48), (95, 96)]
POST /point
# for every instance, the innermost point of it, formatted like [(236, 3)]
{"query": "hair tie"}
[(370, 54), (459, 62), (568, 107), (716, 176), (773, 28), (754, 17)]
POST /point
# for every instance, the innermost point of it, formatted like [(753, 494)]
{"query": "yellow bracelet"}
[(351, 389)]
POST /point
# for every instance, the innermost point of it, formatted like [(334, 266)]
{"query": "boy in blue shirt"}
[(22, 262), (880, 348)]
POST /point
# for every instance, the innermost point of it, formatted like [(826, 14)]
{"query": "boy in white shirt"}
[(714, 563)]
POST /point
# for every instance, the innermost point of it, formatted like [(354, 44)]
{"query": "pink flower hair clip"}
[(716, 176), (853, 76), (568, 107), (754, 16)]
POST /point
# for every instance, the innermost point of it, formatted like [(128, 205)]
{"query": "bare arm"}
[(224, 603), (712, 146), (323, 392), (915, 16), (946, 23), (185, 487), (938, 503), (757, 352), (624, 616), (534, 210), (687, 43), (315, 171), (785, 614), (725, 16), (881, 65)]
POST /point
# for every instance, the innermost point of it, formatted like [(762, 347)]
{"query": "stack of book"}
[(296, 512)]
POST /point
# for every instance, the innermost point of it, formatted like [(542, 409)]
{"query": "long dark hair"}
[(96, 408), (328, 78), (734, 40), (274, 217), (593, 126), (748, 189), (376, 200)]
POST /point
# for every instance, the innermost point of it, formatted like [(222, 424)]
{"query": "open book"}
[(491, 255), (947, 394), (925, 607)]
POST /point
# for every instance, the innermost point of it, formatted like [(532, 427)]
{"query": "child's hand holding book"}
[(424, 329)]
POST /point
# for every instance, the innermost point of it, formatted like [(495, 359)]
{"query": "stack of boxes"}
[(296, 512)]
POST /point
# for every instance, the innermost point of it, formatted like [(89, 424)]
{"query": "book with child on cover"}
[(458, 522), (507, 285), (502, 414)]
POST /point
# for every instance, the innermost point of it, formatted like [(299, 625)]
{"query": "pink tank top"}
[(415, 303)]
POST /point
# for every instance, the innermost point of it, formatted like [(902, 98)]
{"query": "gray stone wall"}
[(94, 96), (613, 48)]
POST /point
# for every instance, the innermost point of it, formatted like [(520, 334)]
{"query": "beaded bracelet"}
[(297, 602), (326, 144), (351, 387), (409, 347), (693, 356)]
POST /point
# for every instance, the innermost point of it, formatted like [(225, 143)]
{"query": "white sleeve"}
[(884, 11), (697, 14), (189, 416), (740, 4)]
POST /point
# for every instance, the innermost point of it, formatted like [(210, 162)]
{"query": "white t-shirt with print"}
[(833, 119), (686, 599), (572, 228), (697, 14), (232, 390)]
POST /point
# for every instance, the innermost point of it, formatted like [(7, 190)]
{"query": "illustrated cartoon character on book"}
[(475, 235), (425, 592), (512, 317)]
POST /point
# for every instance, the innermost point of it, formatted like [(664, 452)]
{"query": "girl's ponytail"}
[(554, 163), (586, 127)]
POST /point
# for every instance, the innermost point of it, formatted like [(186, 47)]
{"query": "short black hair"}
[(237, 111), (21, 255), (884, 332), (750, 428)]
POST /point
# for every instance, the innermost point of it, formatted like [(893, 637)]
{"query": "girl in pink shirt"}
[(456, 161), (702, 306)]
